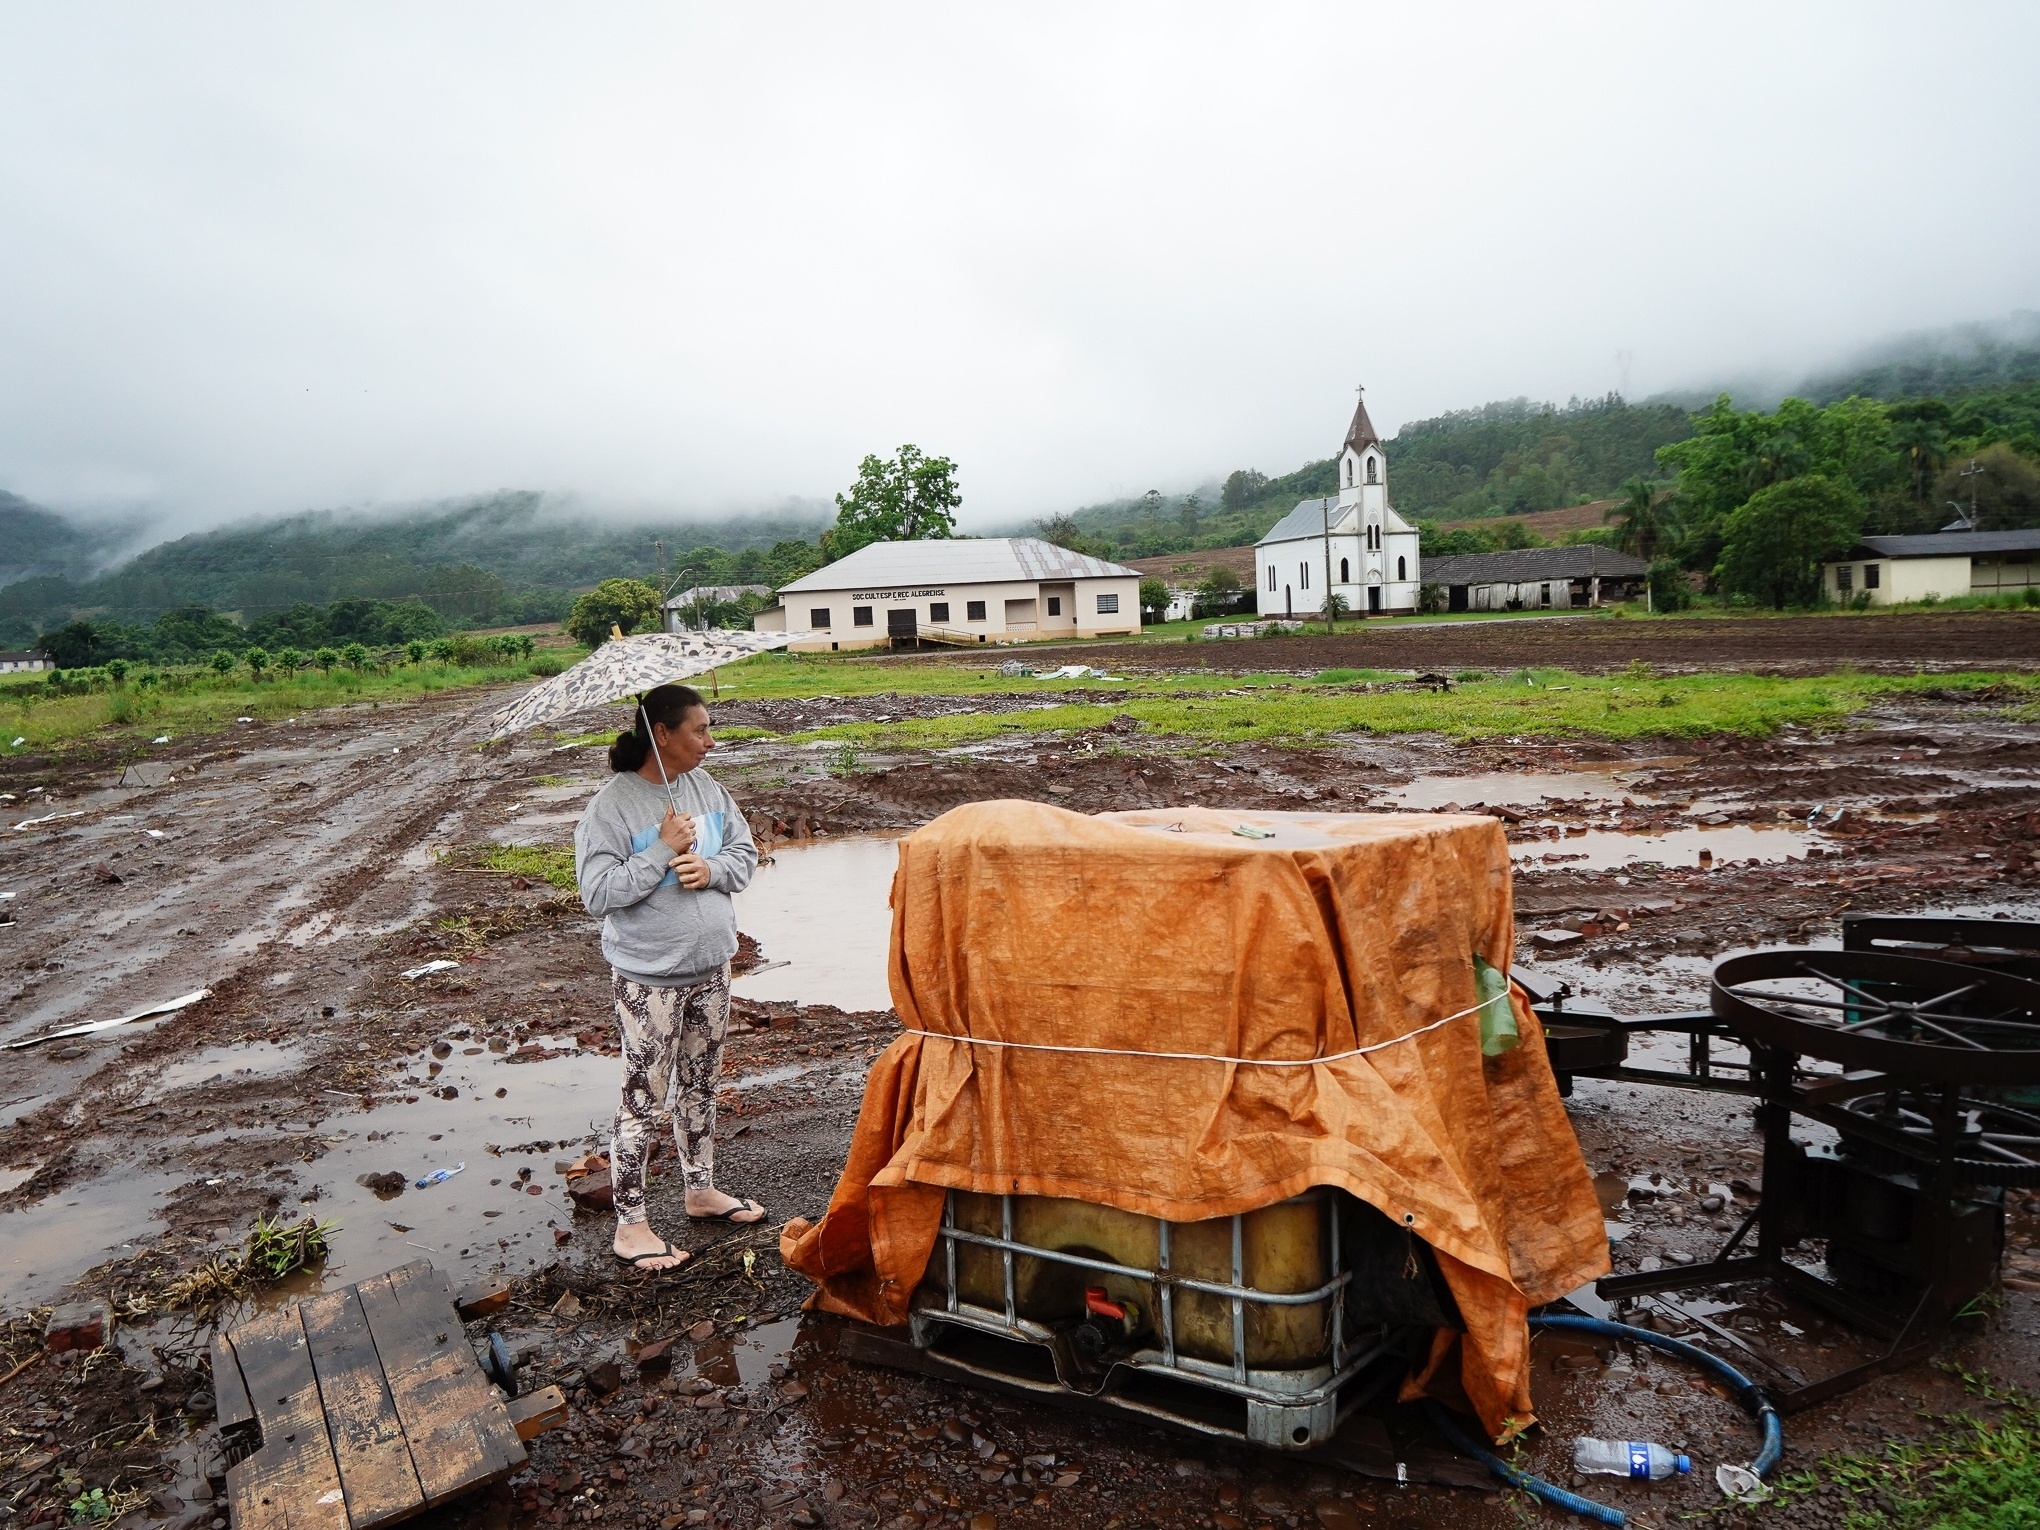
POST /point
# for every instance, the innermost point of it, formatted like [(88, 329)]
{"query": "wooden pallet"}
[(365, 1406)]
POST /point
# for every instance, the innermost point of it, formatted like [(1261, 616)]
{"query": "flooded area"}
[(821, 910), (318, 1078)]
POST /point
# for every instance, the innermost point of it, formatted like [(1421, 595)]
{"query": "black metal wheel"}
[(1907, 1016), (1997, 1145)]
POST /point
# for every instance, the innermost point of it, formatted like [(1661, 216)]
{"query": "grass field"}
[(196, 701), (1540, 703)]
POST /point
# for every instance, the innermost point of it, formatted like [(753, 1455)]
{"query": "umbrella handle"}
[(654, 743)]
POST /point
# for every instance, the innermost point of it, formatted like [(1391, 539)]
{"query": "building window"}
[(860, 616), (1055, 605), (1303, 575), (1108, 605), (1349, 472), (1345, 571), (819, 618), (1370, 470), (1271, 579), (1402, 568), (1872, 575), (1845, 577), (938, 611), (974, 610)]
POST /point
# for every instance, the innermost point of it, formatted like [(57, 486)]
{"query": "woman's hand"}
[(692, 871), (676, 831)]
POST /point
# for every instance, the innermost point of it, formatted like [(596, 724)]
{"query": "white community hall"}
[(959, 591), (1354, 545)]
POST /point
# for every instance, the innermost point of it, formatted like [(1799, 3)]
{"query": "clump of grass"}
[(541, 863), (100, 1507), (1975, 1475), (555, 780), (274, 1250)]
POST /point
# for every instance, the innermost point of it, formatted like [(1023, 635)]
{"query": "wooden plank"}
[(292, 1482), (361, 1420), (536, 1412), (485, 1298), (459, 1434), (232, 1407)]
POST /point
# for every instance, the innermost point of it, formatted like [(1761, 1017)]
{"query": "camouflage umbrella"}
[(630, 666)]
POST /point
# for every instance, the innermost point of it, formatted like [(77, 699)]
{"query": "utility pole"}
[(1973, 472), (1331, 613)]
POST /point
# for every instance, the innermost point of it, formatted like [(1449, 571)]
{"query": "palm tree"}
[(1924, 445), (1643, 519)]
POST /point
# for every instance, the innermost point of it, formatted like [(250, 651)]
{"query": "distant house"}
[(1183, 572), (1892, 570), (11, 663), (1354, 544), (964, 590), (681, 608), (1537, 578)]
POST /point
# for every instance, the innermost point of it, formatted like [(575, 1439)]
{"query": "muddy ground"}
[(1599, 644), (298, 870)]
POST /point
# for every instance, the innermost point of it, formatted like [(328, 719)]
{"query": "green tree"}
[(326, 658), (257, 660), (1919, 430), (1154, 598), (1191, 516), (223, 662), (116, 670), (1642, 520), (2000, 483), (355, 657), (907, 498), (415, 651), (1242, 488), (290, 661), (1062, 530), (630, 605), (1773, 545)]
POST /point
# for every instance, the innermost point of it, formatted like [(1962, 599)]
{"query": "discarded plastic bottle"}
[(439, 1176), (1627, 1458)]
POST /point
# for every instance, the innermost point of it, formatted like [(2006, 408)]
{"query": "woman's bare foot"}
[(645, 1249), (714, 1204)]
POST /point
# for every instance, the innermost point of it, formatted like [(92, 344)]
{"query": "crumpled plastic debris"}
[(427, 970), (1740, 1484)]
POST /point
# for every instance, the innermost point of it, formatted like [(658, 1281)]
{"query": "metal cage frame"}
[(1287, 1409)]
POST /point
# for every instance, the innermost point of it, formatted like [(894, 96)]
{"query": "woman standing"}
[(659, 852)]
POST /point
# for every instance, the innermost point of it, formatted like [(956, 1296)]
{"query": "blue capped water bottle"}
[(1628, 1458)]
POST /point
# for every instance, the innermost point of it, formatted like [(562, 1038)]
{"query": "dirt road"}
[(299, 871)]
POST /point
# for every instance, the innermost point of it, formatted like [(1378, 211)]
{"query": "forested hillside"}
[(501, 558)]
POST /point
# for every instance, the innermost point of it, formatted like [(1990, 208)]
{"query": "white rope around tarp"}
[(1242, 1062)]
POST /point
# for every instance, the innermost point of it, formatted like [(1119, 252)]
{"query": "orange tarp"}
[(1164, 931)]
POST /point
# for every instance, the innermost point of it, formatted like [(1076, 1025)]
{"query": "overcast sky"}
[(258, 258)]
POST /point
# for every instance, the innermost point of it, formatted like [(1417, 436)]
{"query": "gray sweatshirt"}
[(655, 931)]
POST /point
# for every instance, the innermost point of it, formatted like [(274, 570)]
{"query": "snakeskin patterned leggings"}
[(672, 1047)]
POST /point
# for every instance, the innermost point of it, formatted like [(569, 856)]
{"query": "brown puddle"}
[(823, 910)]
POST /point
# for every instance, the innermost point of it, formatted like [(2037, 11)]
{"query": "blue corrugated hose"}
[(1747, 1392)]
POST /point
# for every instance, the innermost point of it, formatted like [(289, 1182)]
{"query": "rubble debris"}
[(442, 965), (167, 1007), (75, 1325)]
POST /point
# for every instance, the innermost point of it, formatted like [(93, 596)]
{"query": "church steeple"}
[(1363, 462), (1360, 434)]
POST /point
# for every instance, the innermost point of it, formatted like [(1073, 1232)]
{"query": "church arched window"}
[(1345, 571), (1402, 568), (1349, 472), (1370, 470)]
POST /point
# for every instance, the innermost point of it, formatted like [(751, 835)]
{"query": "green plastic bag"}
[(1497, 1015)]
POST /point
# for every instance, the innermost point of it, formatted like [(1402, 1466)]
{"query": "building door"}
[(903, 624), (1288, 600), (1456, 601), (1374, 600)]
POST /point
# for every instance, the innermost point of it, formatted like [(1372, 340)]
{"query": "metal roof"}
[(958, 560), (1306, 520), (721, 594), (1946, 544), (1528, 565)]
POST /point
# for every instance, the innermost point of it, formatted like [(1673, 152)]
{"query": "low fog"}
[(702, 259)]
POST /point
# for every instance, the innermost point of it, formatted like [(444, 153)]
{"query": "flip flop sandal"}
[(636, 1261), (730, 1215)]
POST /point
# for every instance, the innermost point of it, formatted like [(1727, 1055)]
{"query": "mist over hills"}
[(517, 555)]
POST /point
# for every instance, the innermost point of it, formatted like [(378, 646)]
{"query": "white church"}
[(1355, 545)]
